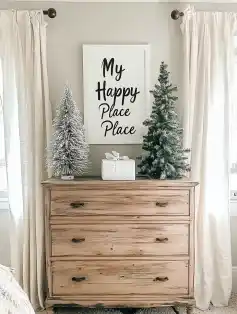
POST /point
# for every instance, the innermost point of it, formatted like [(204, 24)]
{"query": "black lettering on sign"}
[(113, 100), (116, 129), (110, 66), (103, 92), (112, 111)]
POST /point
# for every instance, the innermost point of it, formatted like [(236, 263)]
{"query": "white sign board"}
[(116, 93)]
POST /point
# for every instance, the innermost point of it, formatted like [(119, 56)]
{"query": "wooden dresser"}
[(119, 243)]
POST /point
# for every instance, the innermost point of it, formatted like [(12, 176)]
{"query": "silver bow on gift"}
[(115, 156)]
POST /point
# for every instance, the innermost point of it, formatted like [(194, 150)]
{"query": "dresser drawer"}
[(119, 202), (116, 239), (119, 277)]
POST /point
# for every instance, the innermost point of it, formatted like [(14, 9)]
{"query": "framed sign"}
[(116, 93)]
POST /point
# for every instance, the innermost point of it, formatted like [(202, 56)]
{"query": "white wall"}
[(105, 23), (114, 23)]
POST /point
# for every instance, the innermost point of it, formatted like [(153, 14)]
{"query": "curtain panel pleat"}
[(209, 62), (27, 127)]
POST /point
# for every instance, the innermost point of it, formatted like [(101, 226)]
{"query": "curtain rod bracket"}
[(176, 14), (52, 13)]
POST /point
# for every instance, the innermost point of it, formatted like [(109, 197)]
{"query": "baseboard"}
[(234, 279)]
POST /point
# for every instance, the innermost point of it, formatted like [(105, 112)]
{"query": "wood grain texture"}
[(120, 277), (192, 243), (130, 258), (127, 297), (116, 202), (48, 241), (97, 184), (122, 219), (138, 301), (120, 240), (114, 258)]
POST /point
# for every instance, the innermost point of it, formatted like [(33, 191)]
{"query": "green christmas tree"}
[(164, 156)]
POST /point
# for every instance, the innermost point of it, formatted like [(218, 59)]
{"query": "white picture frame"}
[(116, 93)]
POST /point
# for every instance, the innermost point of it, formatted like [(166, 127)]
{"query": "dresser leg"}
[(50, 310), (189, 309), (128, 310), (175, 310)]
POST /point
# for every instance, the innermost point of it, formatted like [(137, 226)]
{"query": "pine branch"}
[(164, 156)]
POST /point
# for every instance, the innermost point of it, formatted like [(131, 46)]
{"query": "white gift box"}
[(118, 169)]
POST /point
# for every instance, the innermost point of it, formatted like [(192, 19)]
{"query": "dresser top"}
[(142, 183)]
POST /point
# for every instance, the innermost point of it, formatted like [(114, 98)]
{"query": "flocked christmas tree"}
[(164, 156), (69, 152)]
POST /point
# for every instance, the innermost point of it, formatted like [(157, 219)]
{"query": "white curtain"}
[(27, 126), (208, 40)]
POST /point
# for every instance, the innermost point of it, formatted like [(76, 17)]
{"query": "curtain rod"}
[(176, 14), (52, 13)]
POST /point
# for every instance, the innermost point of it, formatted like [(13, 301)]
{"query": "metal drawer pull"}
[(162, 240), (161, 204), (75, 240), (78, 279), (162, 279), (77, 204)]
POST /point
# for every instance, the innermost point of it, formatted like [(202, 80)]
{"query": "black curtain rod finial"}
[(176, 14), (51, 13)]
